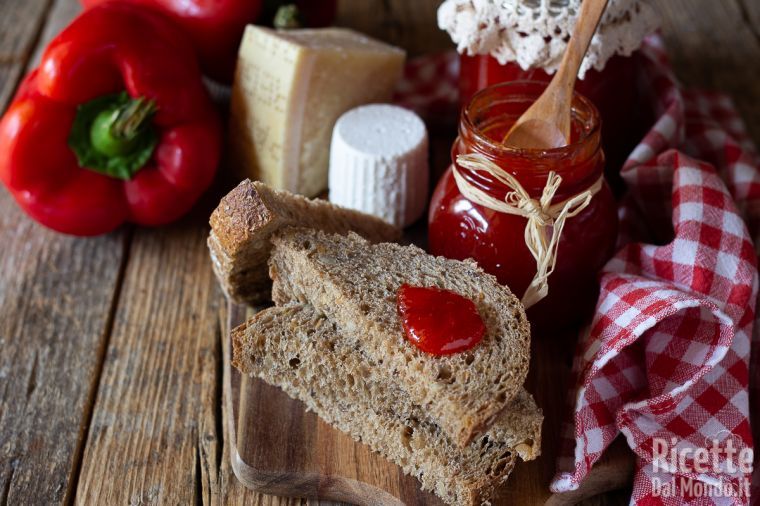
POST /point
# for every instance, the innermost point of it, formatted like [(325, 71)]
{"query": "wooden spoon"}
[(546, 123)]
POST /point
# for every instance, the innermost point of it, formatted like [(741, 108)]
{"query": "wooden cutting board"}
[(280, 449)]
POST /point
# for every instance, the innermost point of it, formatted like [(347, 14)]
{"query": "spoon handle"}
[(547, 123), (585, 27)]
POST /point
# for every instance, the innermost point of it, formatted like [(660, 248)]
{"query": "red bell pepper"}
[(114, 125), (216, 26)]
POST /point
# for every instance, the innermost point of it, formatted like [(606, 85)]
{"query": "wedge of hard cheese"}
[(290, 88), (355, 284), (300, 351), (245, 219)]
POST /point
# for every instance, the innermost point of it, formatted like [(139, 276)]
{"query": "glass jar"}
[(615, 91), (460, 229)]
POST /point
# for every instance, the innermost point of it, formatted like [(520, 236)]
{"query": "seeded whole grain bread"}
[(301, 351), (246, 218), (354, 283)]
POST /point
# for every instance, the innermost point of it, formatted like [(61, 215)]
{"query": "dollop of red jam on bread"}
[(437, 321)]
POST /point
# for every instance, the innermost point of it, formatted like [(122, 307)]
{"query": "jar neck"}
[(489, 116)]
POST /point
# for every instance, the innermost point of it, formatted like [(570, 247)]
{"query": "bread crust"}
[(242, 224)]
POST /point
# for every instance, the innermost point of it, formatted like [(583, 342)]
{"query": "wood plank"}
[(154, 424), (716, 45), (410, 25), (56, 294), (20, 26), (61, 13), (751, 16), (55, 302)]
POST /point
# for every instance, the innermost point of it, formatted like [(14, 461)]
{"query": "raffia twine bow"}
[(545, 220)]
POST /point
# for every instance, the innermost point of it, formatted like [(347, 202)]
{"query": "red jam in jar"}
[(460, 229), (439, 322), (615, 91)]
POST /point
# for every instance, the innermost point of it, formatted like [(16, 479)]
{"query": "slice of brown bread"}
[(246, 218), (354, 283), (302, 352)]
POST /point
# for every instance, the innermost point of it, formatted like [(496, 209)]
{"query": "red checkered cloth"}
[(429, 86), (666, 358)]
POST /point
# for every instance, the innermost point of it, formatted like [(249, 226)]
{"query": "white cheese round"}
[(379, 163)]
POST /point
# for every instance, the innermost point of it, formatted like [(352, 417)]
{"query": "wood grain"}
[(717, 45), (60, 14), (410, 25), (56, 298), (154, 426), (55, 311), (21, 24)]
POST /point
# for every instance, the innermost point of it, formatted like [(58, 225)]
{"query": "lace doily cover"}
[(534, 33)]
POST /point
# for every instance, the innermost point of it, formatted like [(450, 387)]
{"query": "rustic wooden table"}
[(110, 348)]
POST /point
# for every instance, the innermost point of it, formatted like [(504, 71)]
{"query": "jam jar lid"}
[(534, 33)]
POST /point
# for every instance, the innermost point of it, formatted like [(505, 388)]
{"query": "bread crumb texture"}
[(297, 348), (354, 283)]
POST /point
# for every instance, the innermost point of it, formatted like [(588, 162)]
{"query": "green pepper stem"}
[(132, 117), (287, 17), (114, 135), (119, 130)]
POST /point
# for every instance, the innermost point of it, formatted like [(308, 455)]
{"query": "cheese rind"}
[(379, 163), (290, 88)]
